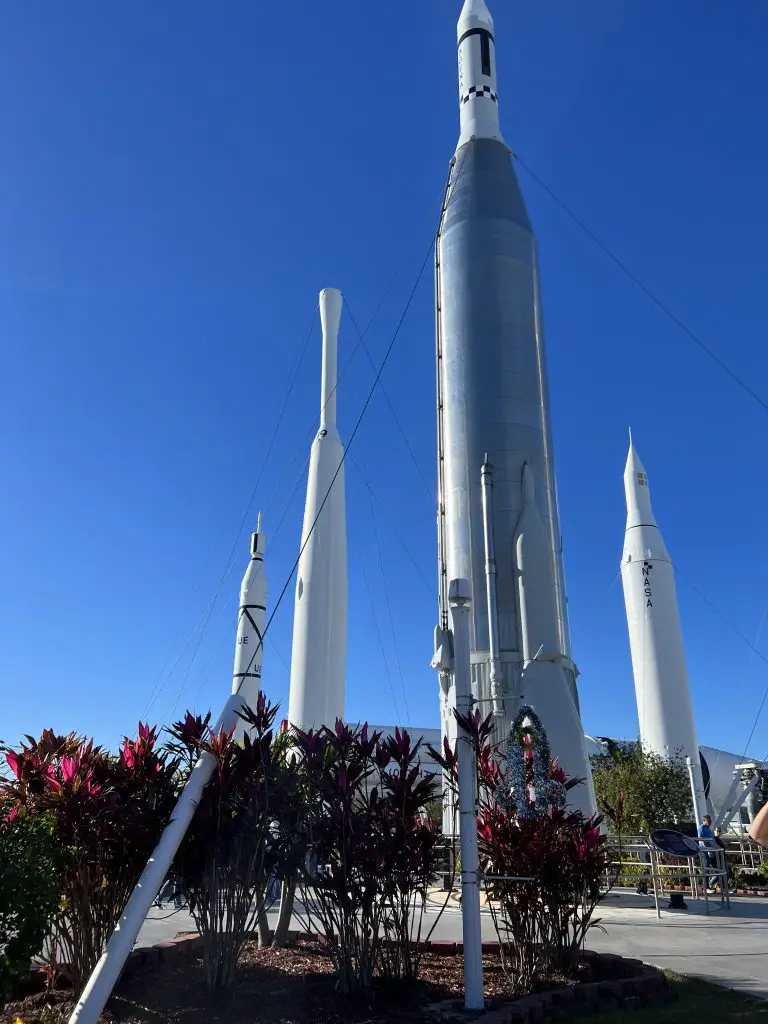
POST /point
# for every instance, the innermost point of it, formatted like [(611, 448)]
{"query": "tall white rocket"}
[(655, 637), (319, 654)]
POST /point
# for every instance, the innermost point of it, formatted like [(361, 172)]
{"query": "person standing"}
[(707, 837)]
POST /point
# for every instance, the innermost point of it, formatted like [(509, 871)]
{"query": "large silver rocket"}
[(493, 408)]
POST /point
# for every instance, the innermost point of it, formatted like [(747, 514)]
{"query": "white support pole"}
[(460, 601), (108, 970)]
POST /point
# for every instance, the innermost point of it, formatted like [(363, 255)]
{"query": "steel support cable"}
[(377, 542), (644, 288), (393, 528), (389, 612), (744, 640), (378, 634), (269, 504), (205, 618), (367, 402), (361, 336), (312, 429), (227, 635), (352, 437), (392, 409)]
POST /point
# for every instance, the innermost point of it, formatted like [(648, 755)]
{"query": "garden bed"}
[(295, 985)]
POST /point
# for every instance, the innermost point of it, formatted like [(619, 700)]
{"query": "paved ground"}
[(729, 947)]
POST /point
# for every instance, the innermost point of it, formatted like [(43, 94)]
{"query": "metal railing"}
[(640, 862)]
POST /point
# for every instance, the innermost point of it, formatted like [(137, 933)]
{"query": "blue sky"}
[(178, 182)]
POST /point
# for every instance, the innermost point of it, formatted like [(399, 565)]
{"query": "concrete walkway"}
[(728, 947)]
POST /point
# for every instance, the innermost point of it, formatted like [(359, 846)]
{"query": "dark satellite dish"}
[(674, 843)]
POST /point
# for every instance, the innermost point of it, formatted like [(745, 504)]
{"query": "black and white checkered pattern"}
[(479, 92)]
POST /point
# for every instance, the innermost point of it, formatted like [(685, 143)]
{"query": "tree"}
[(639, 791)]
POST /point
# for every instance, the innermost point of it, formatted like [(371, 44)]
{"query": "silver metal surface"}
[(494, 386)]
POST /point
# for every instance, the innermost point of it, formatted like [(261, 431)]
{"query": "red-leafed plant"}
[(543, 864), (226, 856), (107, 813), (370, 851)]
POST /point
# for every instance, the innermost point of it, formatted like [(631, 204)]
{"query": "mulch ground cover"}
[(294, 985)]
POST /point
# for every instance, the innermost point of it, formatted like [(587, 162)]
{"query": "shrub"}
[(29, 891), (107, 813), (226, 857), (543, 864), (370, 851)]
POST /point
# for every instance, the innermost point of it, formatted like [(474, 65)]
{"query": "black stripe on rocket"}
[(245, 611)]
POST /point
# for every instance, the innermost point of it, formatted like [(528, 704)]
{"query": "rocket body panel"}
[(495, 406), (492, 389), (653, 620), (535, 582), (319, 647)]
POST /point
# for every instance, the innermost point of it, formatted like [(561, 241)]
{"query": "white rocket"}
[(655, 637), (249, 645), (319, 653)]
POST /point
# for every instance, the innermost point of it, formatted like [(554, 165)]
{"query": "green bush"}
[(638, 791), (30, 891)]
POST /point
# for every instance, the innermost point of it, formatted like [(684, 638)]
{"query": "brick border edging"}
[(645, 985)]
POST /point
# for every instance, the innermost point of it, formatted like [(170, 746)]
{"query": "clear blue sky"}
[(179, 180)]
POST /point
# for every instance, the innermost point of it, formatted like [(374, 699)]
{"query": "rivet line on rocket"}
[(442, 560), (644, 288), (352, 436)]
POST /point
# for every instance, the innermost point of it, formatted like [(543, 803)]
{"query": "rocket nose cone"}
[(474, 14), (331, 301), (633, 463)]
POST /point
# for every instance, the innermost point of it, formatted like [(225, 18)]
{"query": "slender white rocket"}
[(246, 674), (655, 637), (319, 652)]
